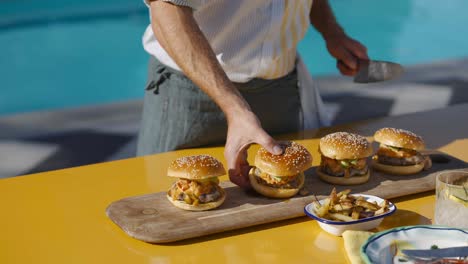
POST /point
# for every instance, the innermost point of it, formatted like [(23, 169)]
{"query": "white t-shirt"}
[(251, 38)]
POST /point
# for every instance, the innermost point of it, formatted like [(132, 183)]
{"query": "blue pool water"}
[(75, 53), (406, 31)]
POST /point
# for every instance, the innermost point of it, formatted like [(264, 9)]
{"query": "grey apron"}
[(177, 114)]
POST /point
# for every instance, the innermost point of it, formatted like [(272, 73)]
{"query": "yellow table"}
[(59, 216)]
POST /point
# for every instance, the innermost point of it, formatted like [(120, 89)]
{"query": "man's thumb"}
[(271, 145)]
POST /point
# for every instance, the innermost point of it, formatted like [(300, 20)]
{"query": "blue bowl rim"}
[(392, 209), (376, 236)]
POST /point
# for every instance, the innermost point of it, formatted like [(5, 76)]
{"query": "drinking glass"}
[(451, 207)]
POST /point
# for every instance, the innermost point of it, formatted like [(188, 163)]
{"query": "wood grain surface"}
[(152, 218)]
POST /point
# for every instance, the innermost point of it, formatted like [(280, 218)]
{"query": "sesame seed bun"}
[(295, 159), (344, 145), (399, 138), (398, 170), (201, 206), (196, 167), (353, 180), (273, 192)]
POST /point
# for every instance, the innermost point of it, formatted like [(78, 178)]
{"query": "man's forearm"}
[(178, 33), (323, 19)]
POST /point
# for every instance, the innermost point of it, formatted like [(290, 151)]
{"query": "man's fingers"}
[(236, 178), (349, 52), (240, 174), (270, 144), (347, 58), (231, 157), (244, 164), (237, 163), (344, 69), (239, 138), (244, 168), (357, 49)]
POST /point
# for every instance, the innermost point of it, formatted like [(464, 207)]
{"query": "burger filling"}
[(343, 168), (281, 182), (390, 155), (196, 192)]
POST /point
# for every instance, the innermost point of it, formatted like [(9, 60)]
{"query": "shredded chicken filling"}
[(398, 156), (195, 192), (281, 182)]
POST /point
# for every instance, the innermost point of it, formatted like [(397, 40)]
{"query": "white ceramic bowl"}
[(337, 228)]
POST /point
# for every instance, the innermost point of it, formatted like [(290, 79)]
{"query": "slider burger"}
[(197, 188), (280, 176), (399, 152), (344, 158)]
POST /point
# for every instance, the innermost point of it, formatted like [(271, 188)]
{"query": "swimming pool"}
[(75, 53), (406, 31)]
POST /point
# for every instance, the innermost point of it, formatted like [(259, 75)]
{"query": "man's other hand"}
[(347, 53)]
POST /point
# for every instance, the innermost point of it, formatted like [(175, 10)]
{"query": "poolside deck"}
[(41, 141)]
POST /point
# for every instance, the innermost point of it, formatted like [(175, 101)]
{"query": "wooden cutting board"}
[(152, 218)]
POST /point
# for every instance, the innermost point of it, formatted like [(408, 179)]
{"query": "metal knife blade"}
[(451, 252), (377, 71)]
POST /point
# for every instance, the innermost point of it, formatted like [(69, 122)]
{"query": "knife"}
[(451, 252), (377, 71)]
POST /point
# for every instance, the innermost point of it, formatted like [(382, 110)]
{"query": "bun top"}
[(294, 160), (196, 167), (399, 138), (344, 145)]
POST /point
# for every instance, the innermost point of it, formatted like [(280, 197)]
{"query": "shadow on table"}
[(238, 232), (74, 148), (409, 217)]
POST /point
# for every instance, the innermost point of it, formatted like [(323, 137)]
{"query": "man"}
[(224, 61)]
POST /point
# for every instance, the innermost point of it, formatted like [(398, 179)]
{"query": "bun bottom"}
[(199, 207), (398, 170), (353, 180), (273, 192)]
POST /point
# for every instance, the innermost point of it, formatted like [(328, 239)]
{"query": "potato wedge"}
[(368, 205), (343, 206), (356, 212), (383, 208), (323, 210), (333, 197), (340, 217), (344, 193)]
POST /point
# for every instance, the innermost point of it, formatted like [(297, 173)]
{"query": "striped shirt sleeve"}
[(194, 4)]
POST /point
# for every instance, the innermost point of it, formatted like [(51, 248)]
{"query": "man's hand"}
[(344, 49), (243, 130), (347, 53)]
